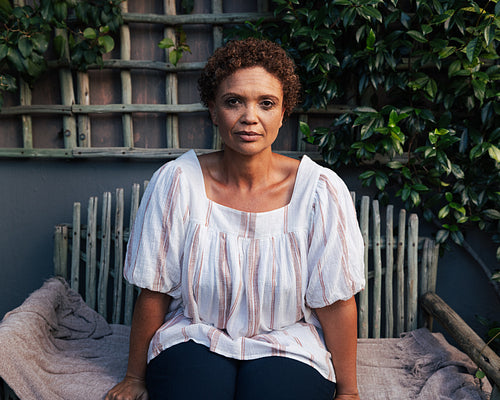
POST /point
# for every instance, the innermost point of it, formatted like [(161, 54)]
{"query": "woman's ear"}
[(213, 112)]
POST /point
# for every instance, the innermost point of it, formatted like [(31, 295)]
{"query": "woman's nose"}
[(249, 115)]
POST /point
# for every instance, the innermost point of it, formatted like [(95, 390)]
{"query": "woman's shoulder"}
[(322, 181)]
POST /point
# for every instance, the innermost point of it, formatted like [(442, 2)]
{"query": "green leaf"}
[(479, 88), (418, 36), (15, 58), (25, 46), (370, 40), (304, 128), (473, 49), (494, 152), (369, 12), (443, 212), (89, 34), (394, 164), (491, 213), (489, 34), (367, 174), (40, 42), (166, 43), (447, 51), (480, 374), (457, 237), (454, 67), (175, 56), (442, 235), (107, 42)]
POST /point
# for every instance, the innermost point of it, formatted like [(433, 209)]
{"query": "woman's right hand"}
[(130, 388)]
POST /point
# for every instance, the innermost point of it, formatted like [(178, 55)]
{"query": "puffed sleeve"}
[(155, 247), (335, 258)]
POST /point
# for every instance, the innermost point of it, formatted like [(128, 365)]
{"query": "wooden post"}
[(129, 289), (400, 273), (75, 248), (377, 269), (25, 100), (171, 90), (82, 79), (466, 338), (67, 95), (91, 253), (218, 39), (118, 266), (61, 251), (363, 295), (412, 281), (389, 271), (102, 288), (126, 81)]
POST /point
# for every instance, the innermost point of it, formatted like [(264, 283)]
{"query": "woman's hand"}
[(131, 388), (347, 397)]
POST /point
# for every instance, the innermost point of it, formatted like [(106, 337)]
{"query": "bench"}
[(401, 268)]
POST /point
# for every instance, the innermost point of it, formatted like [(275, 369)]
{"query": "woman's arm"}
[(149, 314), (339, 324)]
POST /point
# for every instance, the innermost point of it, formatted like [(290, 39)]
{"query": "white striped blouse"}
[(245, 284)]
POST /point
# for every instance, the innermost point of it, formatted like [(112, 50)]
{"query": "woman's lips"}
[(248, 136)]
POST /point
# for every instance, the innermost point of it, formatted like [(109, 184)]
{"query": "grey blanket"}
[(54, 347)]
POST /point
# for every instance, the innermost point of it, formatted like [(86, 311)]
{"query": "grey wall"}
[(35, 195)]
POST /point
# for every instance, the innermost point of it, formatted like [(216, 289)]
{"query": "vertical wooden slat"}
[(423, 268), (27, 124), (412, 281), (171, 89), (377, 269), (91, 254), (118, 239), (25, 100), (67, 95), (433, 256), (433, 265), (217, 33), (75, 248), (400, 274), (61, 251), (129, 289), (83, 85), (363, 313), (126, 81), (102, 288), (389, 271)]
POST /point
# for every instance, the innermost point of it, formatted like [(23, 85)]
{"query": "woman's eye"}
[(232, 101), (267, 104)]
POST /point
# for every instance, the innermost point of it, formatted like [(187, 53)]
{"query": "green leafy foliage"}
[(27, 32), (177, 47), (427, 76)]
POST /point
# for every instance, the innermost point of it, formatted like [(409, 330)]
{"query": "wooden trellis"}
[(75, 108)]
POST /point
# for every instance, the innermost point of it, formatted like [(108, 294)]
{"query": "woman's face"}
[(248, 109)]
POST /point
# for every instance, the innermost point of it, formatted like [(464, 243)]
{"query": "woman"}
[(248, 260)]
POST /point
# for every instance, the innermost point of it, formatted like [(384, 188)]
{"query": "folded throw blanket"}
[(54, 347)]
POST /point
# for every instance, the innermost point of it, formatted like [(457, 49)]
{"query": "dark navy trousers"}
[(190, 371)]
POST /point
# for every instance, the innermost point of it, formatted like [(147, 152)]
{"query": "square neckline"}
[(295, 190)]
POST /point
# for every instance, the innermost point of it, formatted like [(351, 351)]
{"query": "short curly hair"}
[(246, 53)]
